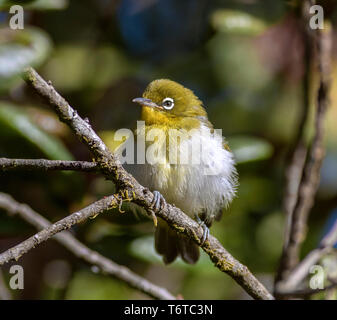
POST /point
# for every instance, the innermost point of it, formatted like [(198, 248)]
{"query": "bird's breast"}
[(192, 170)]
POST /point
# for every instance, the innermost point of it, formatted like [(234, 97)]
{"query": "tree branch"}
[(76, 247), (307, 292), (91, 211), (46, 165), (311, 172), (301, 271), (298, 150), (129, 187)]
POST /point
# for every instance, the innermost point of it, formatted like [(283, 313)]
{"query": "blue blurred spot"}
[(3, 16), (328, 184), (329, 224), (162, 27)]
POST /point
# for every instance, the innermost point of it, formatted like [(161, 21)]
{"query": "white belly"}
[(206, 184)]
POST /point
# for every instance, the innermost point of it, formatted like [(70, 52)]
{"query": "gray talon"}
[(158, 200), (204, 228), (205, 234)]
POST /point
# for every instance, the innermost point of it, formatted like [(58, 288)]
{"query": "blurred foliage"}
[(35, 4), (244, 59), (19, 49), (237, 22), (15, 122), (89, 286)]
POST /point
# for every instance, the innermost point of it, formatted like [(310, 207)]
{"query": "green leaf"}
[(247, 148), (35, 4), (6, 4), (19, 49), (18, 122), (237, 22)]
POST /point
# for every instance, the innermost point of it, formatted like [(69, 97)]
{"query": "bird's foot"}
[(202, 224), (158, 200), (158, 204)]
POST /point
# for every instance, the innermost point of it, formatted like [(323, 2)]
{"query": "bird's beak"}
[(147, 103)]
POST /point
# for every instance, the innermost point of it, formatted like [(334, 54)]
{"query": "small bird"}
[(200, 188)]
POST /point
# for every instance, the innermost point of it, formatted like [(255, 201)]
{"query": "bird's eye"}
[(168, 103)]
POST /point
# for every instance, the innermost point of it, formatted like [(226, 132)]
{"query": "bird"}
[(201, 186)]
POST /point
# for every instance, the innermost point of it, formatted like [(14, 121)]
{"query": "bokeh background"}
[(243, 58)]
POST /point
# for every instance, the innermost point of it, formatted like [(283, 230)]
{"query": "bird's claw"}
[(204, 228), (205, 234), (158, 200), (157, 204)]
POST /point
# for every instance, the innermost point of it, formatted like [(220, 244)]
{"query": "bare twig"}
[(301, 271), (140, 195), (298, 150), (80, 250), (307, 292), (46, 165), (311, 172), (91, 211)]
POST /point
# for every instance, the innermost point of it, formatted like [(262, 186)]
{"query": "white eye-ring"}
[(168, 103)]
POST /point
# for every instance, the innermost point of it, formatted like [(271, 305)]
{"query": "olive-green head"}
[(166, 101)]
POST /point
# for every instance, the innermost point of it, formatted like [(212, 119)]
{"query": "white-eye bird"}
[(201, 186)]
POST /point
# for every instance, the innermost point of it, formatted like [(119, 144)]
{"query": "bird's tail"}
[(170, 244)]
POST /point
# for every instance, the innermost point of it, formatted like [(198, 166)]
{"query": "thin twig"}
[(301, 271), (311, 172), (46, 165), (307, 291), (80, 250), (298, 150), (127, 185), (91, 211)]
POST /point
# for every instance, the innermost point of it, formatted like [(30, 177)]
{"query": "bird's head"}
[(166, 102)]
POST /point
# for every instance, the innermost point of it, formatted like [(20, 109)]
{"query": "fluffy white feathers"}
[(202, 179)]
